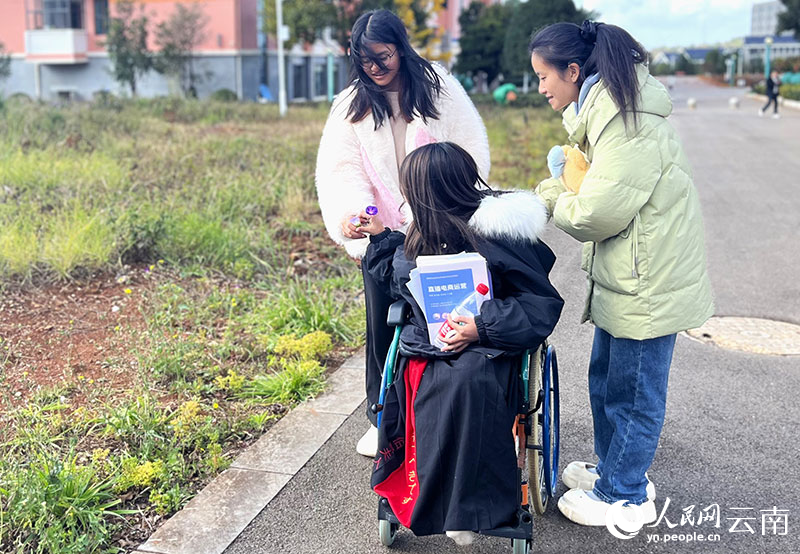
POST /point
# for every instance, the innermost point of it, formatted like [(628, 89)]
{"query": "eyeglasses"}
[(381, 60)]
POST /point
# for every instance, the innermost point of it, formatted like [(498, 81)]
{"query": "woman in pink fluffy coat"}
[(397, 102)]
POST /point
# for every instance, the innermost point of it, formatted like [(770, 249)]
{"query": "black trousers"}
[(771, 100), (379, 338)]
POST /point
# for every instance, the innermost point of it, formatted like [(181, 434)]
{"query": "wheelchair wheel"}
[(550, 419), (387, 532), (537, 490), (521, 546)]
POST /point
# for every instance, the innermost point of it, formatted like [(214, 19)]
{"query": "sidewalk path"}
[(731, 433)]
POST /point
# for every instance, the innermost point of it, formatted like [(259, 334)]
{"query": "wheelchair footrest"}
[(385, 512), (522, 530)]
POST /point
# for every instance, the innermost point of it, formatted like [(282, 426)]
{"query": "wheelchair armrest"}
[(397, 313)]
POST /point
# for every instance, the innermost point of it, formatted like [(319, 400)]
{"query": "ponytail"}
[(599, 48)]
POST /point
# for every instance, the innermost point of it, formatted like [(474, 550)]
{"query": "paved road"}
[(731, 432)]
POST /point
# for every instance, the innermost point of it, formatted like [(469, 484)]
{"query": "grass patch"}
[(55, 504), (520, 139), (243, 301)]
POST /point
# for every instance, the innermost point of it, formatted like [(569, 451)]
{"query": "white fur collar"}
[(518, 215)]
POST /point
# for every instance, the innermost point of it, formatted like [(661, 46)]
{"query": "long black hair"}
[(419, 83), (597, 48), (441, 184)]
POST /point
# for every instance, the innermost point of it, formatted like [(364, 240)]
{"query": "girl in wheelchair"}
[(446, 460)]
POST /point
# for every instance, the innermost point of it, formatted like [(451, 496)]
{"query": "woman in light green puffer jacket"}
[(638, 212)]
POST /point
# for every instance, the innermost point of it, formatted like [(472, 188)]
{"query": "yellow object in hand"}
[(575, 168)]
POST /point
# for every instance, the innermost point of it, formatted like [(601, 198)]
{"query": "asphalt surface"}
[(731, 433)]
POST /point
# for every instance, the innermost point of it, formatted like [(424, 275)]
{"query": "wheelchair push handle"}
[(398, 312)]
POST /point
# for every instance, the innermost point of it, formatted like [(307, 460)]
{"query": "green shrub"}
[(530, 100), (312, 346), (790, 92), (140, 475), (295, 381), (232, 382), (139, 232), (224, 95), (186, 418)]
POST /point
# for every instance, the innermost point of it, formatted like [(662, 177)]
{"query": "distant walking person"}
[(773, 89)]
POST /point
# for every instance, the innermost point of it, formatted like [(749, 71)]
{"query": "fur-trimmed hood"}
[(517, 216)]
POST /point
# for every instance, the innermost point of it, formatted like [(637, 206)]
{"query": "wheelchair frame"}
[(536, 431)]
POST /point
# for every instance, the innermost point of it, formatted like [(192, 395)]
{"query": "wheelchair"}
[(536, 433)]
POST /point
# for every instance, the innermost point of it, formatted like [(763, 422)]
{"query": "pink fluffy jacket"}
[(357, 167)]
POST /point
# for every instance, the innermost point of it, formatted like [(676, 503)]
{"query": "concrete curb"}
[(220, 512), (785, 103)]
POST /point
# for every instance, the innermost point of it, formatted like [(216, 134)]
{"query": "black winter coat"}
[(457, 445)]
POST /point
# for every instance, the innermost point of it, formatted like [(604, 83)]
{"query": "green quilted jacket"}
[(639, 215)]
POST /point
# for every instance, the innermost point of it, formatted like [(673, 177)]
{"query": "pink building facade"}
[(57, 49)]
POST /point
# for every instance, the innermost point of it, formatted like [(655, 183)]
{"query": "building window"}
[(100, 17), (320, 80), (299, 78), (55, 14)]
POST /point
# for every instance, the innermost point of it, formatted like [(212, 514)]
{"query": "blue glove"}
[(556, 161)]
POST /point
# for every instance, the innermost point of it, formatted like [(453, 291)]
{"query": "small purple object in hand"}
[(371, 210)]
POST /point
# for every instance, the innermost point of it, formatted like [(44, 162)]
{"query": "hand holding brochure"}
[(439, 283)]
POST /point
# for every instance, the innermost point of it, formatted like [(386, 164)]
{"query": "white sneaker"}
[(584, 508), (461, 538), (760, 112), (582, 475), (776, 116), (368, 444)]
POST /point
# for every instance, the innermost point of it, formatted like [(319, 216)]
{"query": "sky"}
[(657, 23)]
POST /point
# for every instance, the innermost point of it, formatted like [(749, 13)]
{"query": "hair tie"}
[(589, 32)]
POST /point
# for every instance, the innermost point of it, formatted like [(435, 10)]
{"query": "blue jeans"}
[(628, 394)]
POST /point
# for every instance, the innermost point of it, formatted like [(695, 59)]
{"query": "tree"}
[(527, 18), (483, 30), (792, 65), (305, 18), (661, 69), (347, 11), (685, 64), (5, 63), (416, 15), (177, 38), (127, 44), (714, 62), (790, 19)]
